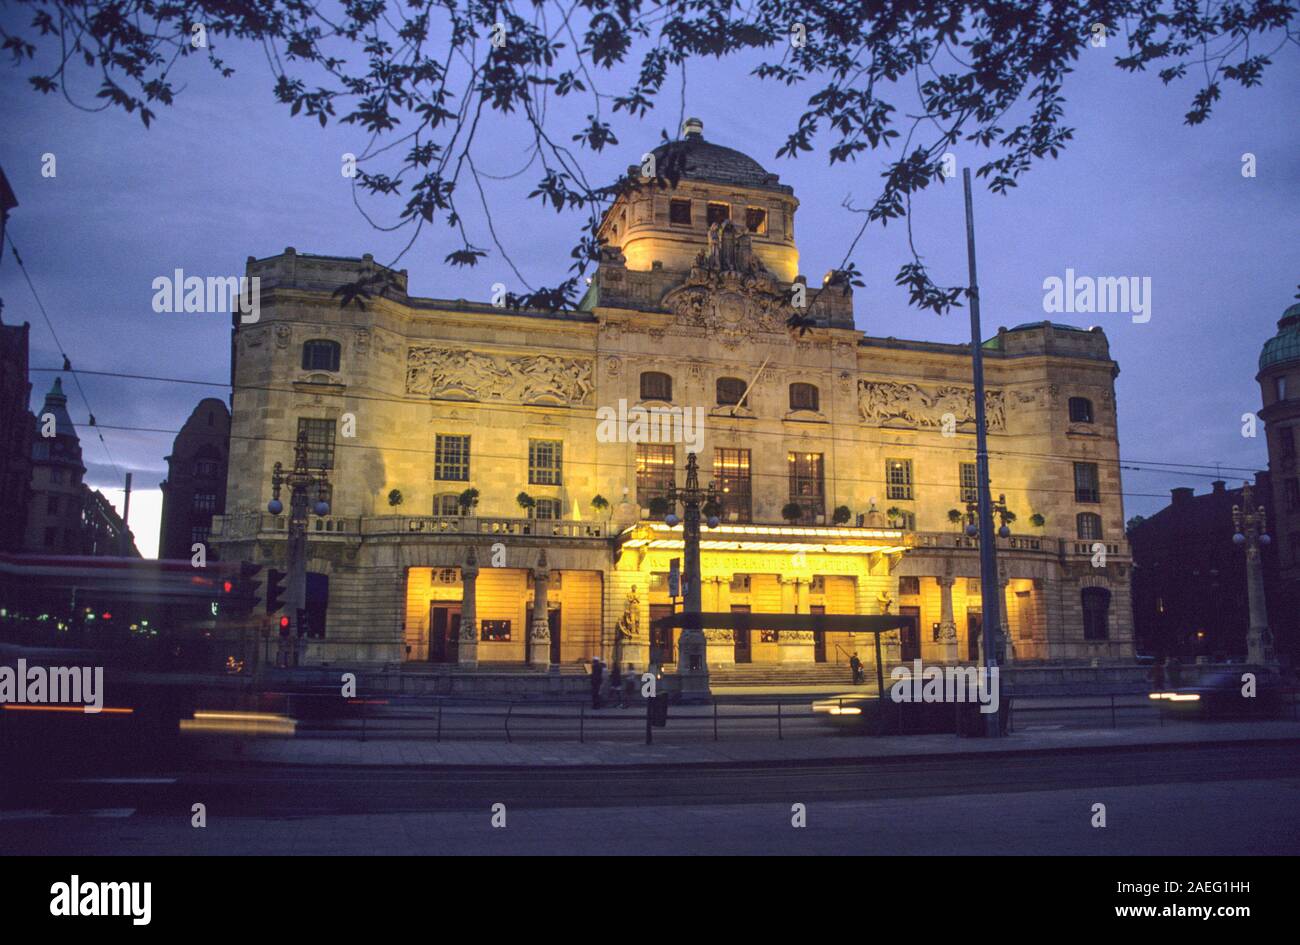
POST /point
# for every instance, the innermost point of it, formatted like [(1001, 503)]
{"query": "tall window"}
[(1087, 487), (206, 468), (549, 509), (969, 477), (1292, 494), (1096, 608), (909, 586), (807, 483), (451, 458), (448, 503), (756, 220), (1088, 525), (718, 213), (655, 466), (320, 355), (804, 397), (205, 502), (731, 472), (655, 385), (898, 479), (679, 211), (544, 462), (1286, 442), (320, 442), (1080, 410), (731, 390)]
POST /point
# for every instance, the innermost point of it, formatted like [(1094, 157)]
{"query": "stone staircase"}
[(775, 674)]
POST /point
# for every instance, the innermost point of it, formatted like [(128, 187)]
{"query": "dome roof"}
[(1285, 345), (714, 164)]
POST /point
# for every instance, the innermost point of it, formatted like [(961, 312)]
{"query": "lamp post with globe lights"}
[(1250, 525), (301, 482), (692, 647), (994, 639)]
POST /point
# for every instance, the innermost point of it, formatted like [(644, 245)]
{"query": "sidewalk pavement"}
[(831, 748)]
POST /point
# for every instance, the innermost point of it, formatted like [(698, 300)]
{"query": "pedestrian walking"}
[(856, 665), (597, 675), (629, 687)]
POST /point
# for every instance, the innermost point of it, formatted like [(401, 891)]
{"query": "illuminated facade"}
[(494, 472)]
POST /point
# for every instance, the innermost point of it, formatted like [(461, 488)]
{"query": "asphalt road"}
[(1222, 799)]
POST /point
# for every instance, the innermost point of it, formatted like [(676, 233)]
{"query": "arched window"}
[(655, 385), (1088, 524), (804, 397), (320, 355), (731, 390), (1080, 410), (1096, 609)]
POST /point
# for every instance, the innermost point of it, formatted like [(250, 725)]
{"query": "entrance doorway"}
[(661, 638), (444, 632), (744, 651), (910, 636), (974, 635), (819, 638), (553, 623)]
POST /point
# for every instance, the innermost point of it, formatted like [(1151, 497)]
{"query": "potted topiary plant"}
[(599, 503), (395, 497), (792, 512), (467, 501), (659, 507), (1037, 520), (954, 516), (894, 513), (841, 515), (527, 503)]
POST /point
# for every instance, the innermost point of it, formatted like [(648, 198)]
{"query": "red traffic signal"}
[(284, 626)]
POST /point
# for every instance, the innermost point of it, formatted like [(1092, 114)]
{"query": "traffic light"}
[(284, 626), (239, 592), (302, 625), (275, 590)]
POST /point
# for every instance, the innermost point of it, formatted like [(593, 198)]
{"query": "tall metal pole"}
[(990, 589)]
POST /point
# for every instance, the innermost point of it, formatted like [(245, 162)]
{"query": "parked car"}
[(1221, 695)]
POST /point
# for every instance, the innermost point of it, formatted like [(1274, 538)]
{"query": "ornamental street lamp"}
[(999, 509), (1250, 524), (692, 648), (302, 482)]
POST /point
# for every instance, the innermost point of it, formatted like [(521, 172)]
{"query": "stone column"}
[(1008, 655), (467, 651), (947, 624), (720, 644), (539, 634), (795, 646)]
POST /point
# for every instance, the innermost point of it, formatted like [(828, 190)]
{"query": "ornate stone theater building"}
[(493, 472)]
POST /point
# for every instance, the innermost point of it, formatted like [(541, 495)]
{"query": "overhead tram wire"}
[(1122, 463), (90, 412)]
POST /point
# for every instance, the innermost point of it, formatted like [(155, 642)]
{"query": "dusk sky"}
[(227, 173)]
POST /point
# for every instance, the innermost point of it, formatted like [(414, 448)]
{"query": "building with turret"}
[(1279, 383), (195, 488), (496, 475)]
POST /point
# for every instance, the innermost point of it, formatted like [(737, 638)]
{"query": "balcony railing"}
[(458, 525)]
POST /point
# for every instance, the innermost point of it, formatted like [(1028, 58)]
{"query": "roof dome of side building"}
[(1285, 345)]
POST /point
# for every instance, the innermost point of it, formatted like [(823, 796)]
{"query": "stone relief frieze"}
[(885, 402), (471, 375)]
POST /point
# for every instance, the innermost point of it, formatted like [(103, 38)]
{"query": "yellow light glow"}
[(1184, 697), (242, 723)]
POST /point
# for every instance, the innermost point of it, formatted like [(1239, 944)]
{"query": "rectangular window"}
[(655, 471), (909, 586), (731, 472), (447, 504), (967, 473), (494, 631), (205, 502), (1087, 487), (679, 211), (451, 458), (1286, 442), (718, 213), (199, 533), (807, 485), (1292, 494), (320, 442), (756, 220), (52, 505), (898, 479), (544, 462), (51, 536), (205, 468), (56, 475), (548, 509)]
